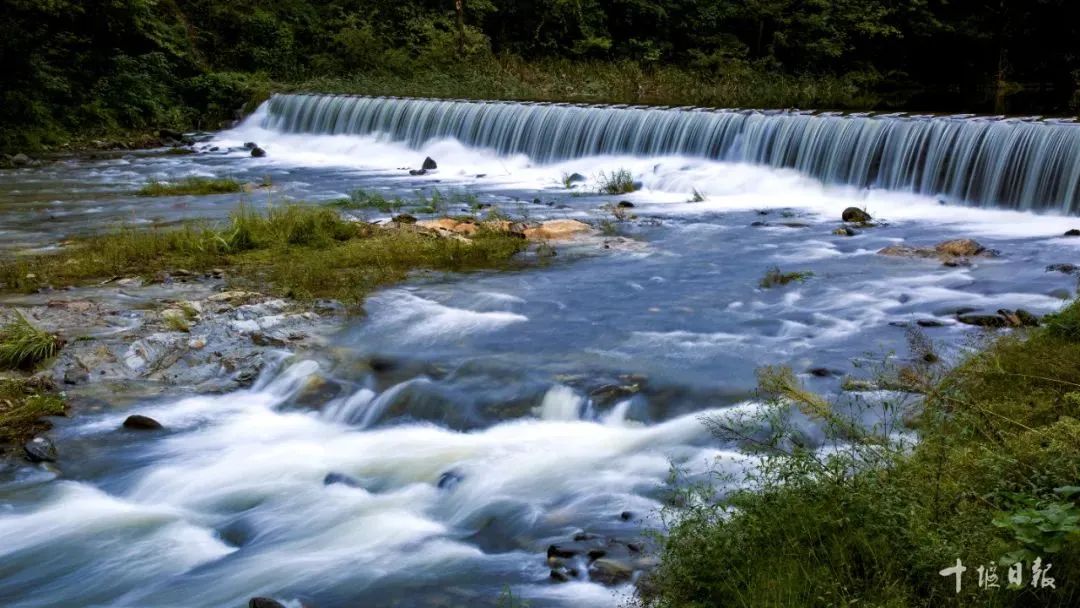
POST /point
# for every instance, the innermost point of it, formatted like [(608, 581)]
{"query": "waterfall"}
[(1024, 164)]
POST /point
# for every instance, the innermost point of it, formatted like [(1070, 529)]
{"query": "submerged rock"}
[(1063, 268), (845, 231), (141, 423), (955, 252), (40, 449), (556, 230), (1003, 318), (856, 215), (340, 478)]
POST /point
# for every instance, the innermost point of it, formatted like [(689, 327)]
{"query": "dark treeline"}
[(85, 66)]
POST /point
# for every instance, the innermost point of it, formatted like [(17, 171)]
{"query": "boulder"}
[(556, 230), (340, 478), (139, 422), (264, 602), (624, 205), (403, 218), (983, 320), (1073, 232), (250, 145), (576, 178), (20, 160), (960, 248), (417, 171), (610, 571), (40, 449), (1062, 268), (429, 164), (258, 152), (856, 215)]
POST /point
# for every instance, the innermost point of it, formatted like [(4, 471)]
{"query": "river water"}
[(507, 411)]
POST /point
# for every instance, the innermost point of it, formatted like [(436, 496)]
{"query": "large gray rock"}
[(40, 449)]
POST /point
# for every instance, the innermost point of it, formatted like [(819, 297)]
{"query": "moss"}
[(192, 185), (23, 404), (992, 480), (300, 251)]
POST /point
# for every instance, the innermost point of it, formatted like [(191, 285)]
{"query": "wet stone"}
[(40, 449), (139, 422)]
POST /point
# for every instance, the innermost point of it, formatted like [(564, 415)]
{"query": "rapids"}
[(513, 410)]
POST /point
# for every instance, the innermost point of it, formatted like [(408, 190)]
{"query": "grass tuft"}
[(23, 403), (192, 185), (774, 277), (22, 345), (617, 182)]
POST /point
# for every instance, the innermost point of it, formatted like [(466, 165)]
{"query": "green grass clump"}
[(298, 251), (774, 277), (192, 185), (870, 520), (617, 182), (362, 199), (22, 345), (23, 403)]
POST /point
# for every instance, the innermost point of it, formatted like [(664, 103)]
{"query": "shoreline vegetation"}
[(873, 516)]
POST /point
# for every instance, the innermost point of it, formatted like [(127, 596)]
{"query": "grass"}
[(617, 182), (22, 345), (192, 185), (23, 404), (775, 278), (870, 519), (697, 197), (362, 199), (302, 252)]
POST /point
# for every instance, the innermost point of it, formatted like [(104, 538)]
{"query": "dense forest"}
[(76, 67)]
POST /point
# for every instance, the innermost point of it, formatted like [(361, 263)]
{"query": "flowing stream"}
[(482, 418)]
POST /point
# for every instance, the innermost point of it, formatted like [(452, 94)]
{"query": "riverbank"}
[(991, 482)]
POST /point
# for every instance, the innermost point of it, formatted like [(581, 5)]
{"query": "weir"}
[(1023, 164)]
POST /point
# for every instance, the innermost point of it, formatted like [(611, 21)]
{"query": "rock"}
[(556, 230), (417, 171), (960, 248), (1063, 268), (1073, 232), (576, 178), (264, 602), (856, 215), (820, 372), (449, 480), (250, 145), (626, 516), (929, 323), (1026, 318), (139, 422), (20, 160), (233, 297), (563, 574), (403, 218), (258, 152), (171, 134), (429, 165), (983, 320), (624, 205), (610, 571), (845, 231), (40, 449), (341, 478), (76, 374)]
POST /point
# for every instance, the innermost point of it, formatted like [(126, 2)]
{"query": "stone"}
[(556, 230), (983, 320), (856, 215), (40, 449), (959, 248), (20, 160), (929, 323), (576, 178), (258, 152), (1073, 232), (449, 480), (624, 205), (610, 571), (429, 164), (417, 171), (403, 218), (340, 478), (139, 422), (264, 602), (845, 231), (1063, 268), (250, 145)]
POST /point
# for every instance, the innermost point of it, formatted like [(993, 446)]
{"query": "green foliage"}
[(22, 345), (299, 251), (192, 185), (870, 519), (617, 182), (775, 278), (361, 199)]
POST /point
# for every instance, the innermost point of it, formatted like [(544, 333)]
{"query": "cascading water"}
[(988, 162)]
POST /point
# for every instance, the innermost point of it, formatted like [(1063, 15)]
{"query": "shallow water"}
[(544, 402)]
